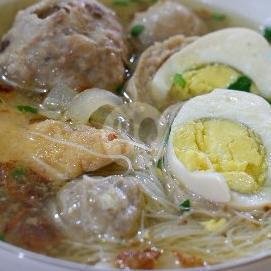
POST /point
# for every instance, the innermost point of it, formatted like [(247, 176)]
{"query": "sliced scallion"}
[(121, 2), (2, 237), (120, 90), (160, 163), (179, 81), (185, 206), (217, 16), (267, 33), (243, 83), (27, 109), (18, 173), (136, 30)]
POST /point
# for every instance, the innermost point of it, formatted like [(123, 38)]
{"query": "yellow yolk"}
[(225, 147), (204, 80)]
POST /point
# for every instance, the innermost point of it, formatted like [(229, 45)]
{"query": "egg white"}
[(240, 107), (243, 49)]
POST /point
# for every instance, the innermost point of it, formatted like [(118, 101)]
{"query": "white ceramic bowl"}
[(14, 259)]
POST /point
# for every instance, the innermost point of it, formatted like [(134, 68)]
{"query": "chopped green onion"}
[(121, 2), (167, 136), (267, 33), (27, 109), (18, 173), (137, 30), (243, 83), (2, 237), (185, 206), (120, 90), (179, 81), (218, 16), (160, 163)]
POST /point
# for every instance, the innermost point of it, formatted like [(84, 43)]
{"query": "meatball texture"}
[(163, 20), (150, 61), (73, 43), (90, 207)]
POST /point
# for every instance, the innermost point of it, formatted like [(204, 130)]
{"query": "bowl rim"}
[(70, 265)]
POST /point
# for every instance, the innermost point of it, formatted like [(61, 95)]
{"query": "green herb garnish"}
[(267, 33), (160, 163), (120, 90), (243, 83), (137, 30), (121, 2), (218, 16), (18, 173), (185, 206), (27, 109), (179, 81), (2, 237)]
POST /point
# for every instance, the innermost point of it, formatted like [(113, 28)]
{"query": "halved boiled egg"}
[(233, 58), (220, 148)]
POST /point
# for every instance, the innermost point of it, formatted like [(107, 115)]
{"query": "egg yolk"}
[(225, 147), (203, 80)]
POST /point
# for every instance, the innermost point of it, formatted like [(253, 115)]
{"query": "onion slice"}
[(87, 102), (56, 102)]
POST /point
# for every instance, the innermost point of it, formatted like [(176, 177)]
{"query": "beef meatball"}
[(73, 43), (89, 207), (150, 61), (163, 20)]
